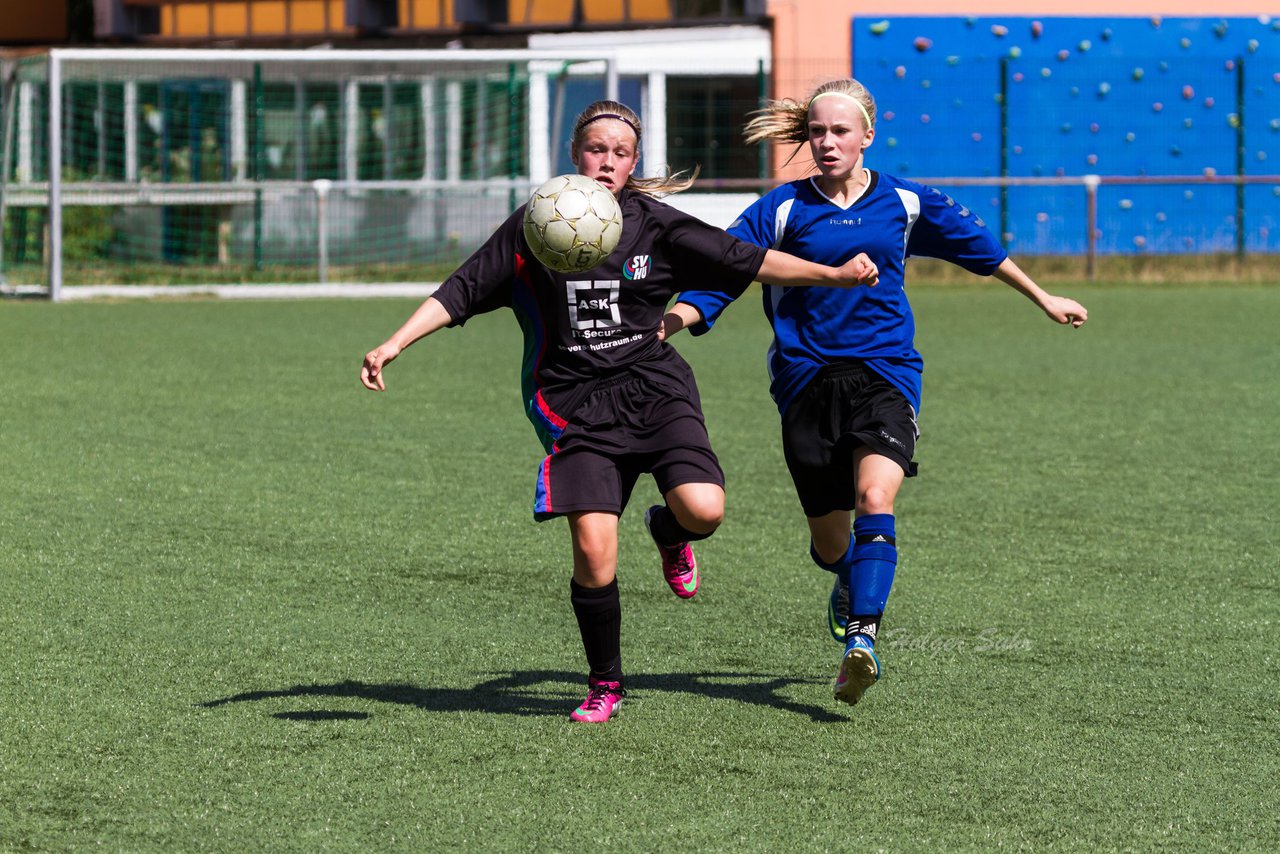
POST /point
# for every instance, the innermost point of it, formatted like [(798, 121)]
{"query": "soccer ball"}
[(572, 223)]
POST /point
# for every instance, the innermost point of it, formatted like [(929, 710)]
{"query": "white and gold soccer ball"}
[(572, 223)]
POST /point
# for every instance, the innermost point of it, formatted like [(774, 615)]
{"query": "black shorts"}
[(626, 427), (845, 407)]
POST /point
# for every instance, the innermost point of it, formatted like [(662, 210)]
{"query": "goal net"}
[(227, 166)]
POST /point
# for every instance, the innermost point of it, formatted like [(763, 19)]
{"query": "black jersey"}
[(581, 327)]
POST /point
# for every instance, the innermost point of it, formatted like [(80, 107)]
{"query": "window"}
[(705, 116)]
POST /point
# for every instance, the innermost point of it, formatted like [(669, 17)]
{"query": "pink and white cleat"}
[(679, 566), (603, 700)]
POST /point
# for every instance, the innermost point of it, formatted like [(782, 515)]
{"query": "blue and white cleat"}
[(859, 670), (838, 610)]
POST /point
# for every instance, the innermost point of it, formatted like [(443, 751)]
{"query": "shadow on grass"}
[(536, 693)]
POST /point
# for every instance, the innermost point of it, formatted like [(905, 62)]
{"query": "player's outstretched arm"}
[(779, 268), (678, 317), (429, 317), (1059, 309)]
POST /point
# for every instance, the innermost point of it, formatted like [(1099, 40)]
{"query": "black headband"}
[(626, 121)]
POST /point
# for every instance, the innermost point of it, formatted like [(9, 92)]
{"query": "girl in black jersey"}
[(607, 397)]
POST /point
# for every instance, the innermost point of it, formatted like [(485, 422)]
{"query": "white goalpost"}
[(202, 166)]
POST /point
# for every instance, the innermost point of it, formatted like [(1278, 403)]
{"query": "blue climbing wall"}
[(1127, 96)]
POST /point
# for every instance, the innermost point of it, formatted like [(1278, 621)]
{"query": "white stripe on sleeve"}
[(910, 203)]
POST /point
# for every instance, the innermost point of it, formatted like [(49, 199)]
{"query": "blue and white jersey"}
[(892, 220)]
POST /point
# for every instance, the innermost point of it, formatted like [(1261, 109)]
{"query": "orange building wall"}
[(197, 19), (201, 19), (425, 14)]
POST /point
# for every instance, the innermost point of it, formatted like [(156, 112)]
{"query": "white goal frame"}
[(540, 65)]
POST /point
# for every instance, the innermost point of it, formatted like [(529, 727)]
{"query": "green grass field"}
[(247, 605)]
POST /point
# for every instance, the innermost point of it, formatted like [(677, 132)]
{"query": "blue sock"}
[(875, 557), (841, 567)]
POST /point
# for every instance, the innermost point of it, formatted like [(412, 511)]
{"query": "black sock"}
[(863, 624), (667, 531), (599, 614)]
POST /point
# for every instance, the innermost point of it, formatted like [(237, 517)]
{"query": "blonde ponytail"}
[(786, 120)]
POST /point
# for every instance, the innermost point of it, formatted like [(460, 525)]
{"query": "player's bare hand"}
[(859, 270), (1064, 310), (374, 361)]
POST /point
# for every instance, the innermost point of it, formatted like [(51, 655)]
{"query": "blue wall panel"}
[(1122, 97)]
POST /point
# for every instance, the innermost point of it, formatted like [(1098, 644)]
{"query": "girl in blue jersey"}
[(609, 400), (843, 368)]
